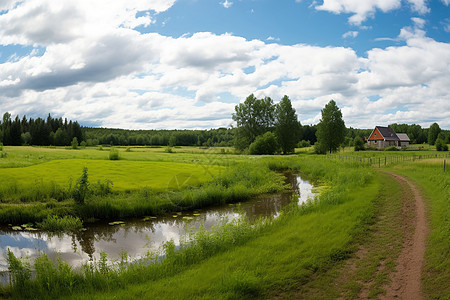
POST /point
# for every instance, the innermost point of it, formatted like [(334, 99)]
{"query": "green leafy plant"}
[(114, 154), (81, 187), (74, 143)]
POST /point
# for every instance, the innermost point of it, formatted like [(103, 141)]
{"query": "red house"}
[(382, 137)]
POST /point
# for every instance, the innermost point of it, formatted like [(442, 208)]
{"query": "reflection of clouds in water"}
[(136, 238), (305, 189)]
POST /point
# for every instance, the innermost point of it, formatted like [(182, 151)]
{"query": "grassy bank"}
[(239, 260), (140, 184)]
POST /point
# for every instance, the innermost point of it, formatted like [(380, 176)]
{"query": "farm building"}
[(383, 137)]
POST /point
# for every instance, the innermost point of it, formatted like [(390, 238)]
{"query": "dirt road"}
[(406, 282)]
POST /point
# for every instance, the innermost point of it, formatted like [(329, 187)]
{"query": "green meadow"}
[(124, 174), (301, 254)]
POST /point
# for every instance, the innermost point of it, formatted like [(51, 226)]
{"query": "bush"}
[(319, 148), (1, 146), (74, 143), (168, 150), (441, 145), (304, 144), (359, 144), (391, 148), (114, 154), (81, 187), (264, 144), (83, 144)]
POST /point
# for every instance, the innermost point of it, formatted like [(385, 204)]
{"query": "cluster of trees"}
[(38, 131), (265, 128), (221, 137)]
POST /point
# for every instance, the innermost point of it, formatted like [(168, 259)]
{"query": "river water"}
[(138, 236)]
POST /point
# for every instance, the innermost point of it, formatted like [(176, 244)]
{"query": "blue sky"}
[(186, 63)]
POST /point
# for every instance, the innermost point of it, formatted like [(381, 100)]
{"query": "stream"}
[(138, 236)]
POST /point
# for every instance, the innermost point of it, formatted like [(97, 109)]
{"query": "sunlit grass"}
[(125, 175)]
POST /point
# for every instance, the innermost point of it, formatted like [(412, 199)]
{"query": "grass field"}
[(38, 182), (125, 174), (293, 256)]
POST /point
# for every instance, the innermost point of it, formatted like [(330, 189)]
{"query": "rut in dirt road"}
[(406, 282)]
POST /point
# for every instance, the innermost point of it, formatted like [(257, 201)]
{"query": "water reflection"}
[(137, 237)]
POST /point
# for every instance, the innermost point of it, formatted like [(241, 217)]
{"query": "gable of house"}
[(375, 135), (381, 133)]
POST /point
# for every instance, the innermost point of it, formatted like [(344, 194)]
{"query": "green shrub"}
[(114, 154), (304, 144), (391, 148), (74, 143), (1, 146), (168, 149), (83, 144), (264, 144), (359, 144), (319, 148), (81, 187), (441, 145)]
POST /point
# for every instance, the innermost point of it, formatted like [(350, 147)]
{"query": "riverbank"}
[(242, 260)]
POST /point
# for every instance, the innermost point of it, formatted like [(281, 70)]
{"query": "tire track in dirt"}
[(406, 282)]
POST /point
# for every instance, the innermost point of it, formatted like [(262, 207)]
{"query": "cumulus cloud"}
[(226, 4), (350, 34), (115, 76), (362, 10)]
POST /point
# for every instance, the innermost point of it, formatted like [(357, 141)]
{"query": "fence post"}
[(385, 161), (444, 165)]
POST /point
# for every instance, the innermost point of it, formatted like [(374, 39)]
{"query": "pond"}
[(138, 236)]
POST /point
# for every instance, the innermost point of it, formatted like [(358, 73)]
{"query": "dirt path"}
[(406, 282)]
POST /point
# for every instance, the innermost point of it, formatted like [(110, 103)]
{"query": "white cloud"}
[(271, 38), (446, 2), (114, 76), (446, 24), (362, 10), (350, 34), (226, 4)]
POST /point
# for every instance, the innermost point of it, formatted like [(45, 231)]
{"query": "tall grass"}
[(56, 224)]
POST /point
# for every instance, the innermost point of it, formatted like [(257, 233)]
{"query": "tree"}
[(74, 143), (331, 128), (441, 145), (433, 133), (172, 141), (264, 144), (15, 132), (254, 117), (359, 143), (287, 126)]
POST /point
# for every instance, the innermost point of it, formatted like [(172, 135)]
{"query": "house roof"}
[(388, 133), (403, 137)]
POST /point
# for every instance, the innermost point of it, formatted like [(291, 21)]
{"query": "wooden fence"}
[(386, 160)]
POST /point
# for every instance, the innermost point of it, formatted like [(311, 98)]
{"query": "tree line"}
[(220, 137), (254, 118), (40, 132)]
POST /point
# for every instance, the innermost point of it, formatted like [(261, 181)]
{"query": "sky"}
[(186, 64)]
